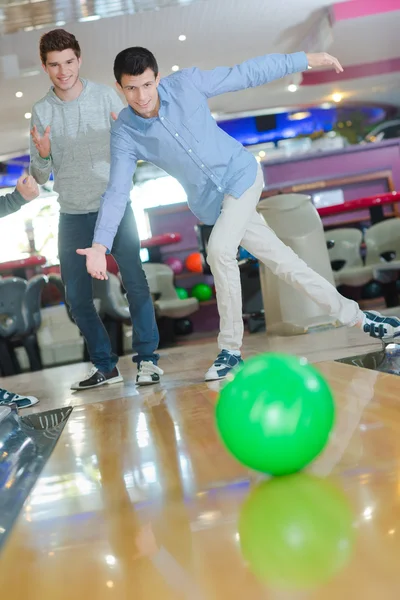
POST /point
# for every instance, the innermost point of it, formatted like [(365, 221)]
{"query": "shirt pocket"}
[(195, 123)]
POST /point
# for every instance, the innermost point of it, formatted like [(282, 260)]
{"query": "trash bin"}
[(296, 222)]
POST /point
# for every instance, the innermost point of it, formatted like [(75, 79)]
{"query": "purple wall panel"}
[(339, 163), (354, 160)]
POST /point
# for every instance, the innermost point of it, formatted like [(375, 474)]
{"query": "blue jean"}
[(76, 231)]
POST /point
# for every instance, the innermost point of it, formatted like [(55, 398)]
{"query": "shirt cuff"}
[(300, 62), (18, 197), (104, 238), (42, 163)]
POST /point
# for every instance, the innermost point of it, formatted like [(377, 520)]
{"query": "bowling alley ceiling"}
[(24, 15), (217, 32)]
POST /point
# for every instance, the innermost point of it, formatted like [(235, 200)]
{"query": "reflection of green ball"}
[(202, 292), (276, 415), (296, 531), (182, 293)]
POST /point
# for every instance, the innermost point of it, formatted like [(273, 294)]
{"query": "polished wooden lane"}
[(183, 365), (140, 500)]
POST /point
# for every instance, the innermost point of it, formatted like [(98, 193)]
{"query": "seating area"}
[(21, 316), (20, 320), (358, 259), (169, 308)]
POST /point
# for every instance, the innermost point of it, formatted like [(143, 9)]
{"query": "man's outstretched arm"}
[(257, 71), (113, 205)]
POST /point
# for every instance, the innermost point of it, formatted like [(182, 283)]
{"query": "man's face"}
[(141, 92), (63, 69)]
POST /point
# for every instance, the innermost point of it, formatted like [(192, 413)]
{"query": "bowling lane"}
[(140, 500)]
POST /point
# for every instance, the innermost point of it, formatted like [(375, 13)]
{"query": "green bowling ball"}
[(276, 414), (182, 293), (201, 291), (296, 532)]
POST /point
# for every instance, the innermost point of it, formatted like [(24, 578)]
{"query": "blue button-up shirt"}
[(185, 141)]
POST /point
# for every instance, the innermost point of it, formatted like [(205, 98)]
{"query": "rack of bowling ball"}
[(275, 415), (193, 264)]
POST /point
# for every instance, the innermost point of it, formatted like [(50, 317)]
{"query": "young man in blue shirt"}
[(168, 123)]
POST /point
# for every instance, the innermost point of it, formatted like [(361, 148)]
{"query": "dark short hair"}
[(58, 40), (134, 61)]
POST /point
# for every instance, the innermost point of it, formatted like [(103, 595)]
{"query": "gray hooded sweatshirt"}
[(80, 145)]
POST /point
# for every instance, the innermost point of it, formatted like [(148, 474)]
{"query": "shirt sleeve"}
[(251, 73), (117, 194), (10, 203)]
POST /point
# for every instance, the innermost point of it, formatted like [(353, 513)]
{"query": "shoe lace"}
[(92, 372), (222, 358), (146, 367), (6, 396), (375, 329)]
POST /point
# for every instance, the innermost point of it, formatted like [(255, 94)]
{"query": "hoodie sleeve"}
[(40, 167), (10, 203)]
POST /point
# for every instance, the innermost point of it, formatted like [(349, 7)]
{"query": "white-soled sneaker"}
[(148, 373), (223, 364), (96, 378), (379, 326), (7, 398)]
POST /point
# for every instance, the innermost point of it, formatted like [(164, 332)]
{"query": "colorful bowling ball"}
[(182, 293), (183, 326), (296, 532), (194, 263), (175, 264), (276, 414), (202, 292), (371, 290)]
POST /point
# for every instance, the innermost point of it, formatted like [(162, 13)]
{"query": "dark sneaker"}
[(148, 373), (7, 398), (223, 364), (96, 378), (378, 326)]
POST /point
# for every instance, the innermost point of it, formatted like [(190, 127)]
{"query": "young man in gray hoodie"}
[(70, 131), (26, 190)]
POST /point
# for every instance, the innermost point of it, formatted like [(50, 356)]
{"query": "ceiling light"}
[(27, 115), (299, 116), (175, 68), (89, 18), (292, 87), (19, 94), (337, 97), (182, 38), (261, 154), (30, 72)]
